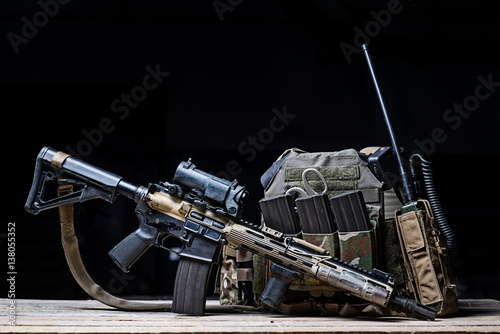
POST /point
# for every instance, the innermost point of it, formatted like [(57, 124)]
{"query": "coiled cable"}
[(432, 197)]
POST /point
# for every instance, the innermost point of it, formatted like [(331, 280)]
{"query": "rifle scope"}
[(229, 193)]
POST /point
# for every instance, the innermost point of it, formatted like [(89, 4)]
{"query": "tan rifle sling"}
[(73, 257)]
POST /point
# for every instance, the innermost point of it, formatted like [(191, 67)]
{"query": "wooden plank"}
[(64, 316)]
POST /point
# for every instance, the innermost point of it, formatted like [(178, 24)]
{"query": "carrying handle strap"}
[(73, 257)]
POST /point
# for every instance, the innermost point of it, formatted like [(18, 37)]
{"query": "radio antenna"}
[(404, 175)]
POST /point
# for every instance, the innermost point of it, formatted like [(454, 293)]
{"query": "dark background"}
[(229, 67)]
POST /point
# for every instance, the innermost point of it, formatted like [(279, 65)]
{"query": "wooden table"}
[(64, 316)]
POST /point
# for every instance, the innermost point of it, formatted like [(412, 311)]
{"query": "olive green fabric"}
[(343, 170), (390, 251), (339, 179)]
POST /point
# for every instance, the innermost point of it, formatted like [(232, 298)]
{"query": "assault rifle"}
[(204, 212)]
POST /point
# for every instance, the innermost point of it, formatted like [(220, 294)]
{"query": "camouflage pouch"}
[(430, 278), (228, 282), (330, 242), (358, 248)]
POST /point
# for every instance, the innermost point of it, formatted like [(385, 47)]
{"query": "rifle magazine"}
[(190, 290)]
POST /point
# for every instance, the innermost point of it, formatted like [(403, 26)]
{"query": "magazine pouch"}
[(430, 278)]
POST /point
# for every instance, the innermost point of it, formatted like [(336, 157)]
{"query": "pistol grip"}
[(132, 247)]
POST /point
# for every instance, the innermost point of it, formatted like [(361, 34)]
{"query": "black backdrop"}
[(135, 87)]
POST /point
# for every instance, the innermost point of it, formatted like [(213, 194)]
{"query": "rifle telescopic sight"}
[(229, 193)]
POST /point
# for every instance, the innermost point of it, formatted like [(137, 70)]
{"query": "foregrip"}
[(281, 278)]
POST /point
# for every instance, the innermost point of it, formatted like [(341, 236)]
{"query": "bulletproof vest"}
[(372, 237)]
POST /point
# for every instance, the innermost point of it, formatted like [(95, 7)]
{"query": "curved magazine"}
[(190, 290)]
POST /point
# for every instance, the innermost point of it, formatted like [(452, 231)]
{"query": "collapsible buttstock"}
[(90, 182), (31, 203)]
